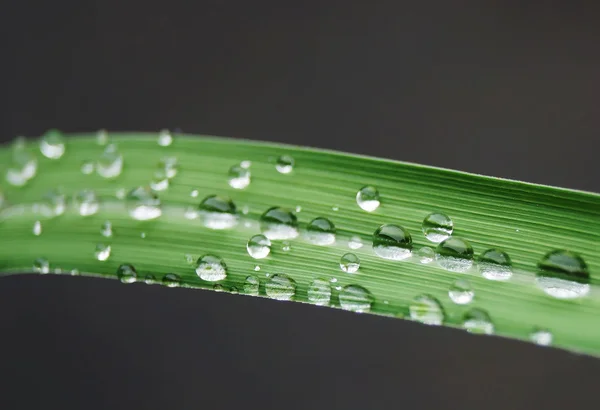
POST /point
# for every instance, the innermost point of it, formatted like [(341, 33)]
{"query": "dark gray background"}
[(505, 89)]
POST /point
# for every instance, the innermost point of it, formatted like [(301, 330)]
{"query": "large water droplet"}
[(259, 246), (23, 166), (355, 242), (285, 164), (218, 212), (541, 337), (171, 280), (52, 144), (454, 254), (427, 310), (126, 273), (102, 252), (495, 264), (86, 202), (106, 229), (211, 268), (461, 292), (37, 228), (110, 163), (349, 263), (143, 204), (368, 198), (279, 223), (563, 275), (392, 242), (356, 299), (320, 231), (251, 285), (53, 204), (319, 292), (425, 255), (478, 321), (41, 265), (165, 138), (238, 177), (437, 227), (280, 287)]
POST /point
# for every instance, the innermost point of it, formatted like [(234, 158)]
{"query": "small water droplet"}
[(120, 193), (102, 252), (478, 321), (298, 209), (320, 231), (392, 242), (335, 208), (102, 137), (563, 275), (149, 279), (37, 228), (279, 224), (367, 198), (349, 263), (238, 177), (245, 164), (250, 286), (171, 280), (541, 337), (259, 246), (437, 227), (355, 243), (23, 166), (461, 292), (425, 255), (41, 265), (143, 235), (454, 254), (256, 268), (52, 144), (87, 168), (169, 165), (143, 204), (189, 258), (333, 280), (194, 193), (286, 246), (218, 212), (355, 298), (219, 288), (160, 181), (164, 138), (126, 273), (211, 268), (319, 292), (86, 202), (106, 229), (427, 310), (190, 212), (53, 204), (495, 264), (285, 164), (110, 163), (280, 287)]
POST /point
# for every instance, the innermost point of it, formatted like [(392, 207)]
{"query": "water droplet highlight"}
[(454, 254), (285, 246), (367, 198), (478, 321), (319, 292), (461, 292), (106, 229), (259, 246), (165, 138), (495, 264), (392, 242), (102, 252), (427, 310), (355, 298), (52, 144), (171, 280), (349, 263), (563, 274), (437, 227), (280, 287), (279, 224), (86, 202), (218, 212), (110, 163), (238, 177), (251, 285), (211, 268), (41, 265), (194, 193), (320, 231), (37, 228), (285, 164), (143, 204), (541, 337)]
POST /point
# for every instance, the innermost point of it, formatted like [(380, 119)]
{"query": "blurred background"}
[(505, 88)]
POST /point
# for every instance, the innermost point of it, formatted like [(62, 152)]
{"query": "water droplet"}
[(355, 243), (478, 321), (53, 204), (143, 235), (320, 231), (171, 280), (23, 166), (149, 279), (392, 242), (120, 193), (259, 246), (169, 166), (286, 246), (279, 223), (245, 209), (461, 292), (219, 288), (454, 254), (238, 177), (563, 275), (349, 263), (245, 164), (102, 252), (110, 163), (164, 138), (218, 212), (37, 228), (41, 265), (298, 209), (52, 144), (425, 254), (189, 258), (211, 268), (319, 292), (143, 204), (86, 202), (280, 287), (190, 212), (160, 181), (356, 299), (427, 310), (102, 137), (194, 193), (495, 264), (106, 229), (126, 273), (256, 268), (437, 227), (250, 286), (541, 337), (368, 198), (285, 164), (335, 208), (87, 167)]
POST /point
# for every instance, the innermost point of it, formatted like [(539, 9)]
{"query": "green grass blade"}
[(525, 220)]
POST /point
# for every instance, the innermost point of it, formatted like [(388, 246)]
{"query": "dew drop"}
[(349, 263), (454, 254), (190, 212), (427, 310), (285, 164), (87, 168), (279, 224), (425, 255), (110, 163), (355, 243), (41, 265), (495, 264), (256, 268), (120, 193), (164, 138), (169, 165), (541, 337), (189, 259), (102, 252), (149, 279), (194, 193), (563, 275), (259, 246), (106, 229), (367, 198), (320, 231), (211, 268), (245, 164), (126, 273), (238, 177), (478, 321), (250, 286), (218, 212), (143, 235), (280, 287), (52, 144), (392, 242), (356, 299), (160, 181), (298, 208), (37, 228), (461, 292), (23, 166), (319, 292), (102, 137), (286, 246), (86, 202), (437, 227), (171, 280), (143, 204)]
